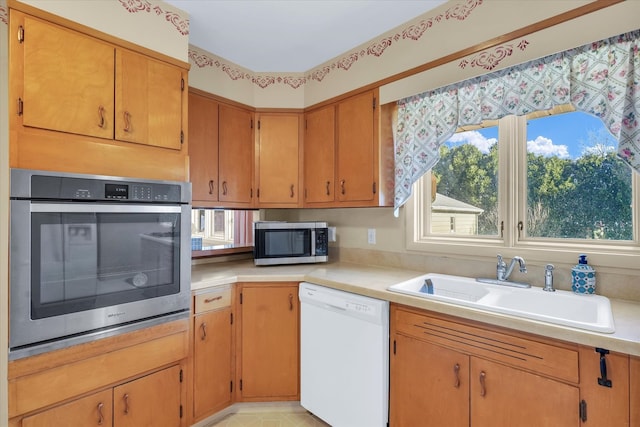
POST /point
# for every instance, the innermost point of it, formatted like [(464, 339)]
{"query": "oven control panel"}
[(87, 189)]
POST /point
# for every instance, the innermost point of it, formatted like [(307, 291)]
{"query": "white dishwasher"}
[(344, 357)]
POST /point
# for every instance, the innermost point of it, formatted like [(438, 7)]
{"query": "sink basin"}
[(589, 312), (444, 287)]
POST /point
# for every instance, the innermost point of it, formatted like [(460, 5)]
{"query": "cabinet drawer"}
[(540, 357), (212, 300)]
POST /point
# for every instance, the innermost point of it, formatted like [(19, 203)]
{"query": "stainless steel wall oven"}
[(93, 256)]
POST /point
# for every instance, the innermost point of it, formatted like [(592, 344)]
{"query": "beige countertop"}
[(373, 281)]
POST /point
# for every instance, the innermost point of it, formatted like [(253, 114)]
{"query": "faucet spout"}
[(504, 273)]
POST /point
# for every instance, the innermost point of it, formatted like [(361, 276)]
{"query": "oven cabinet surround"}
[(95, 107), (278, 159), (447, 371), (345, 163), (212, 336), (220, 152), (133, 379), (268, 342)]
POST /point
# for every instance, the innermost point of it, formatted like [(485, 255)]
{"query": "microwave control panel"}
[(322, 242)]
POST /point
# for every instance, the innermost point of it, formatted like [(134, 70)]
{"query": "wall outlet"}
[(332, 234), (371, 236)]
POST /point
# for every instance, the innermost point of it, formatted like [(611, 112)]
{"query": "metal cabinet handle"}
[(209, 300), (292, 194), (101, 112), (224, 188), (210, 186), (483, 386), (127, 121), (100, 414), (456, 375), (203, 331), (328, 184), (342, 182), (126, 403), (290, 302)]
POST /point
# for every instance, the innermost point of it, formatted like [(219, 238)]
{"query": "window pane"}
[(576, 185), (222, 229), (465, 200)]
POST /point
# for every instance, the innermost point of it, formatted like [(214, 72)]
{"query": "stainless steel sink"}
[(589, 312)]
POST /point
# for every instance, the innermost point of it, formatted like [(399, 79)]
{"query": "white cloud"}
[(475, 138), (600, 149), (543, 146)]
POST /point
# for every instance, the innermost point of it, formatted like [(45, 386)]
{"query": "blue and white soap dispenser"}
[(583, 277)]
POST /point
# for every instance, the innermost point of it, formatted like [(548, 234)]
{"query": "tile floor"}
[(271, 419)]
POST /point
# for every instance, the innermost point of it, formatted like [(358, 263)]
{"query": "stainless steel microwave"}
[(280, 242)]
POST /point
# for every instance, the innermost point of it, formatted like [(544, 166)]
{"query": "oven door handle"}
[(101, 208)]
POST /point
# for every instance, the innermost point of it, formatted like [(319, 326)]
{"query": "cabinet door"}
[(503, 397), (605, 405), (269, 364), (203, 148), (429, 385), (93, 410), (357, 149), (148, 101), (319, 155), (211, 362), (235, 151), (278, 159), (153, 400), (634, 398), (66, 89)]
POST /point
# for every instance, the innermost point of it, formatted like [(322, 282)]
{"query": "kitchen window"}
[(222, 231), (528, 185)]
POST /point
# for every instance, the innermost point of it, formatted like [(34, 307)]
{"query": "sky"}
[(567, 135)]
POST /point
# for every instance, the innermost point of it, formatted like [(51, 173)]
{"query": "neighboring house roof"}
[(447, 204)]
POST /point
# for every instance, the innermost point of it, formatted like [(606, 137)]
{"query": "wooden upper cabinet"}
[(148, 101), (88, 103), (203, 148), (319, 155), (357, 156), (235, 155), (68, 80), (278, 159)]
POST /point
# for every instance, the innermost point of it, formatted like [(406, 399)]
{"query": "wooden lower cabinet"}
[(93, 410), (132, 379), (634, 391), (447, 372), (606, 399), (212, 353), (505, 396), (429, 384), (153, 400), (268, 344)]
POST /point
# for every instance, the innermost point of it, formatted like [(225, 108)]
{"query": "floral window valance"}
[(601, 78)]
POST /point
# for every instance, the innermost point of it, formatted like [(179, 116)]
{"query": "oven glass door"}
[(85, 257), (278, 243)]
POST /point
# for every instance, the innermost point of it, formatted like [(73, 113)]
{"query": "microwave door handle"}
[(313, 242)]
